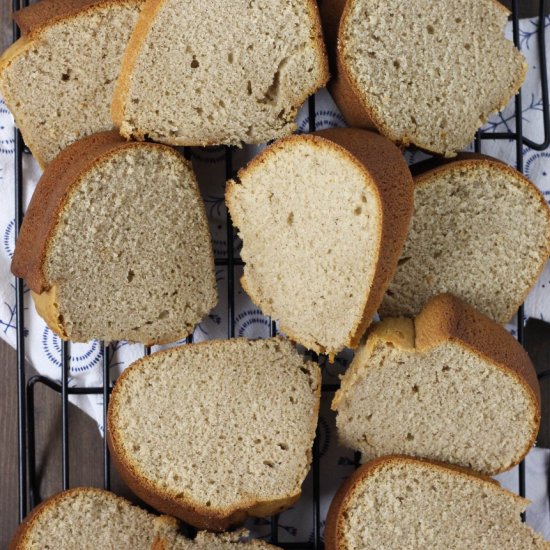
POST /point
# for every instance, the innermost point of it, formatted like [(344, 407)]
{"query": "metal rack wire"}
[(28, 477)]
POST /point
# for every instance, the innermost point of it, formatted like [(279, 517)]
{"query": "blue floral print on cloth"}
[(43, 348)]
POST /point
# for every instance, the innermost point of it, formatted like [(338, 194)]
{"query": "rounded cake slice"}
[(58, 78), (465, 238), (88, 519), (423, 72), (210, 541), (115, 243), (218, 431), (323, 218), (402, 502), (451, 385), (235, 72)]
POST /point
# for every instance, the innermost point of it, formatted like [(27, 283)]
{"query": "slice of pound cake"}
[(451, 385), (91, 519), (86, 518), (115, 243), (200, 73), (400, 502), (58, 78), (218, 431), (480, 231), (424, 72), (210, 541), (323, 219)]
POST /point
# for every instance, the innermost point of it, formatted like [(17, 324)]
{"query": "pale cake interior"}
[(431, 72), (310, 217), (142, 270), (224, 72), (465, 239)]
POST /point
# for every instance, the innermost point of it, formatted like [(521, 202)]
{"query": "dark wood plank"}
[(8, 444), (537, 344)]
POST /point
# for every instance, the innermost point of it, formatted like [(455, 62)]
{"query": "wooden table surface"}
[(86, 448)]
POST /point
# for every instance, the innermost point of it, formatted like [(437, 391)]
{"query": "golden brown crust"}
[(397, 331), (139, 36), (331, 13), (433, 167), (423, 167), (47, 307), (334, 526), (178, 506), (340, 86), (388, 172), (446, 317), (470, 161), (19, 539), (355, 111), (47, 204)]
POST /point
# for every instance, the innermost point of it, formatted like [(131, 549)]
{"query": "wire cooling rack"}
[(28, 475)]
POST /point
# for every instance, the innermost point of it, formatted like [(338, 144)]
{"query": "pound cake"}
[(402, 502), (219, 72), (210, 541), (90, 519), (217, 431), (115, 243), (58, 78), (86, 518), (423, 72), (450, 385), (480, 231), (323, 218)]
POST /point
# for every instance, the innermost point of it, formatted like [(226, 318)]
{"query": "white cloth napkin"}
[(43, 348)]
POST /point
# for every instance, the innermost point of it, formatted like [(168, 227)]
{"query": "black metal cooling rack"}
[(28, 476)]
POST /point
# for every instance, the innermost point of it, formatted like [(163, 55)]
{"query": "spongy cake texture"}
[(314, 213), (397, 502), (199, 73), (210, 541), (465, 239), (125, 252), (420, 388), (216, 431), (424, 72), (58, 79), (88, 519)]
